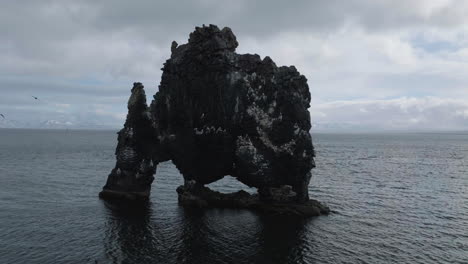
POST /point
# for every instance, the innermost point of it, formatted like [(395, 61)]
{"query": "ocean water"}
[(396, 198)]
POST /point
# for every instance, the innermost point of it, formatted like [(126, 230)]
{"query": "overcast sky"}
[(370, 64)]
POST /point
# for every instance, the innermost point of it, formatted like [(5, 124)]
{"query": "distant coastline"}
[(313, 131)]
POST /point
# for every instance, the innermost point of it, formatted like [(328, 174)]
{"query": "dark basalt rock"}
[(218, 113), (194, 195), (133, 174)]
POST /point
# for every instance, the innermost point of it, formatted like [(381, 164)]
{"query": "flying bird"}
[(35, 97), (2, 116)]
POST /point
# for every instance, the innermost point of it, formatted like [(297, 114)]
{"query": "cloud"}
[(427, 113), (82, 53)]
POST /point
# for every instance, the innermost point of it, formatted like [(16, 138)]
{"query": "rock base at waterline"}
[(204, 197), (121, 195)]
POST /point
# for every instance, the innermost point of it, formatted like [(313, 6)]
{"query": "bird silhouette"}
[(2, 116), (35, 97)]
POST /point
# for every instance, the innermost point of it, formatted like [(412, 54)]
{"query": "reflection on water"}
[(399, 198), (129, 234), (201, 236), (281, 240), (194, 244)]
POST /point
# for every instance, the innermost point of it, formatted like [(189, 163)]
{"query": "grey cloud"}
[(157, 20), (427, 113), (86, 53), (257, 17), (43, 34)]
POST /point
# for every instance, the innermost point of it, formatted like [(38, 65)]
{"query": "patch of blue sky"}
[(434, 46)]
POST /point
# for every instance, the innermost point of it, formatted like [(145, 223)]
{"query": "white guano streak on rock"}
[(208, 130), (128, 154), (129, 132), (265, 120), (245, 147)]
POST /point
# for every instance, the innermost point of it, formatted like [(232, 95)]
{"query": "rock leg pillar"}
[(133, 173)]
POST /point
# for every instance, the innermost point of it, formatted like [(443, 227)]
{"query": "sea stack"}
[(218, 113)]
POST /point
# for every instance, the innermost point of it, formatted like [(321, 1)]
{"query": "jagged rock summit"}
[(218, 113)]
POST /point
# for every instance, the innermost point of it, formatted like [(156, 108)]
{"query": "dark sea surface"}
[(396, 198)]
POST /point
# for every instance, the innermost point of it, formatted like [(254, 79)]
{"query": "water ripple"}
[(396, 198)]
